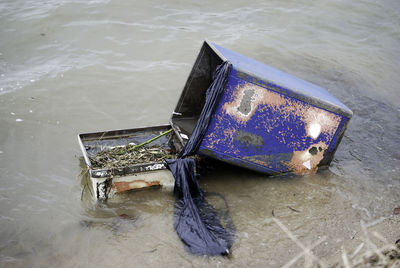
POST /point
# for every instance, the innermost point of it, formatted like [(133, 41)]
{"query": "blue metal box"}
[(266, 120)]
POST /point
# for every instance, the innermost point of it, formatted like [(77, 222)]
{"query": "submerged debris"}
[(119, 157), (396, 211), (131, 154)]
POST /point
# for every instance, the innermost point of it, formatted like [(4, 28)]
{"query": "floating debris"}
[(293, 209), (396, 211), (119, 157), (131, 154)]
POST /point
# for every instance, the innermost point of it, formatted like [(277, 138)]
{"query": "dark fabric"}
[(213, 94), (196, 221)]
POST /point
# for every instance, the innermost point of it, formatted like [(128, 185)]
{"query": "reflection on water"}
[(69, 67)]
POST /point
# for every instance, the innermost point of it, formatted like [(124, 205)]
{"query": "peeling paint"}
[(306, 162), (155, 167), (316, 120), (123, 186), (266, 160), (248, 140), (260, 126), (245, 103), (259, 96)]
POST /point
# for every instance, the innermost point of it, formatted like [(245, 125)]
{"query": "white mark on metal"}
[(155, 167), (184, 136), (100, 173), (306, 156), (307, 164), (314, 130)]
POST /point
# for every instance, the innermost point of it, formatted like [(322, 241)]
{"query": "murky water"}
[(74, 66)]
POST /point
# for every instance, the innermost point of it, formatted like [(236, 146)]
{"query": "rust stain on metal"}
[(260, 162), (123, 186), (306, 162), (249, 140), (320, 121), (227, 138), (248, 97), (265, 160)]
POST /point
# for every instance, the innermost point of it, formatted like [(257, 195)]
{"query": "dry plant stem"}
[(151, 140), (357, 250), (371, 246), (374, 256), (346, 262), (307, 251), (122, 156), (298, 256)]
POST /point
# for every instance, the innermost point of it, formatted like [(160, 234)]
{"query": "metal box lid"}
[(265, 120), (211, 55)]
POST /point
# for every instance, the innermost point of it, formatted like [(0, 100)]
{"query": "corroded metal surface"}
[(258, 126), (108, 181), (266, 120), (137, 184), (162, 178)]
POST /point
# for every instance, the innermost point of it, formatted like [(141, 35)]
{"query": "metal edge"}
[(84, 153), (243, 162), (202, 48), (219, 54), (177, 131), (320, 103), (84, 136), (128, 170), (111, 172), (336, 140)]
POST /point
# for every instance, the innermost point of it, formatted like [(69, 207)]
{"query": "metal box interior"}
[(107, 181), (266, 120)]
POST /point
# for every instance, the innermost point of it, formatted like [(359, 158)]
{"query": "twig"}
[(298, 256), (83, 190), (101, 138), (293, 209), (295, 240), (380, 237), (370, 245), (151, 140), (345, 258), (357, 250)]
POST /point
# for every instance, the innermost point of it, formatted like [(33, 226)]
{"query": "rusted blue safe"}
[(266, 120)]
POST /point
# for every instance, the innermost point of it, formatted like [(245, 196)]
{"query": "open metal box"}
[(108, 181), (266, 120)]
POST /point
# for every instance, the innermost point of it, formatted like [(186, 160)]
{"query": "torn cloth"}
[(196, 221)]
